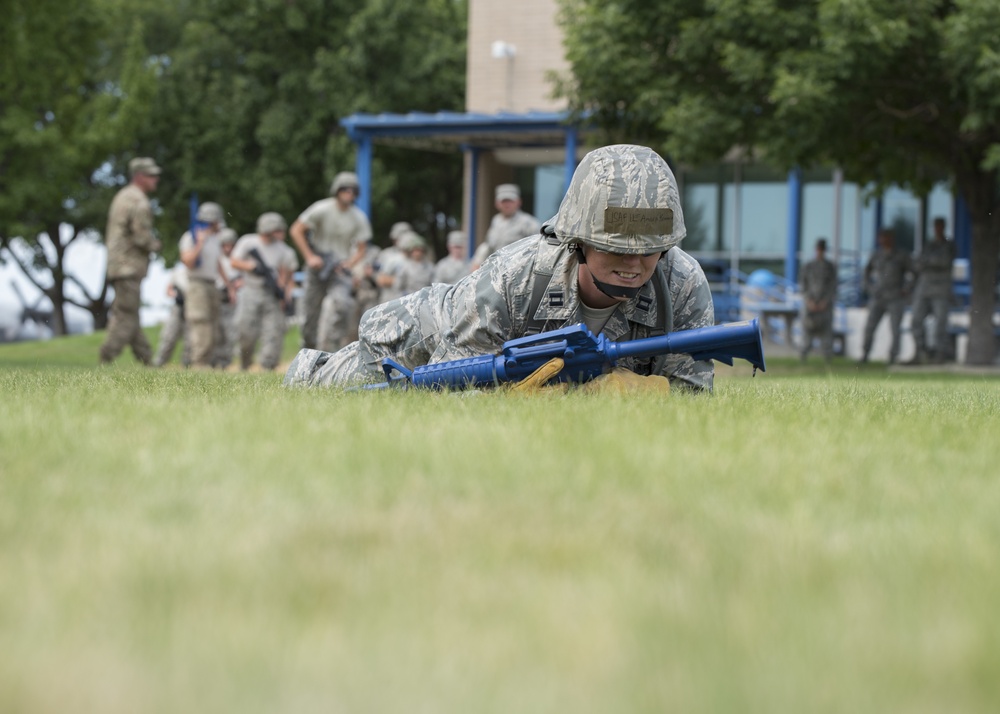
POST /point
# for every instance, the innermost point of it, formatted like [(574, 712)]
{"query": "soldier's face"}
[(629, 271), (147, 182), (508, 207), (347, 196)]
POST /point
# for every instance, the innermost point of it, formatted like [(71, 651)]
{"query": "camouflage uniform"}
[(888, 273), (202, 302), (933, 294), (503, 231), (450, 269), (819, 284), (366, 292), (227, 308), (130, 239), (533, 285), (416, 272), (338, 233), (259, 315), (175, 327)]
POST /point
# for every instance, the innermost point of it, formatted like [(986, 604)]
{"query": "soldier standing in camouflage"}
[(819, 293), (609, 258), (888, 273), (390, 261), (130, 239), (508, 226), (227, 288), (260, 315), (202, 254), (933, 295), (332, 229), (416, 271), (453, 267)]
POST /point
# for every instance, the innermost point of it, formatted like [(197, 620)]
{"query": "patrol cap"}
[(398, 230), (345, 179), (143, 165), (457, 238), (270, 222), (227, 235), (622, 199), (508, 192), (209, 212)]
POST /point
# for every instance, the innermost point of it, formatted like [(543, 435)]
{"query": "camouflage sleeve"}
[(691, 299), (434, 324)]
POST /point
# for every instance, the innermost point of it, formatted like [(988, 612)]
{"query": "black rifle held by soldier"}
[(330, 264), (270, 280)]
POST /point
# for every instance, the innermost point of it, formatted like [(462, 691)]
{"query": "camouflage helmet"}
[(398, 230), (622, 199), (270, 222), (411, 241), (227, 235), (457, 238), (345, 179), (209, 212)]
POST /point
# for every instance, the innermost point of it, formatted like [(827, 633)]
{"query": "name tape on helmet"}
[(639, 221)]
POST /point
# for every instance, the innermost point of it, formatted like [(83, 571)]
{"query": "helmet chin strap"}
[(613, 291)]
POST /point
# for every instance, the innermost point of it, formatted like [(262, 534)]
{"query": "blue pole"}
[(364, 171), (192, 211), (962, 230), (794, 226)]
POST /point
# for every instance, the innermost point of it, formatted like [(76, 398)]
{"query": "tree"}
[(251, 93), (893, 91), (69, 91)]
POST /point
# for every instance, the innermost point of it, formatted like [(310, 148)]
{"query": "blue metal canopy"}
[(467, 132)]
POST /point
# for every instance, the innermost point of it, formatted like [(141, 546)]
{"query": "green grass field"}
[(808, 540)]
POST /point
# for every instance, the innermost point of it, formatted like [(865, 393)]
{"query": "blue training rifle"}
[(585, 356)]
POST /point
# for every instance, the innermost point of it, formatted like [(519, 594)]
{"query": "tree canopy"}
[(70, 90), (251, 94), (892, 91), (238, 100)]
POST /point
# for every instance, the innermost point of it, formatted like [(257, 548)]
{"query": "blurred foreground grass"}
[(205, 542)]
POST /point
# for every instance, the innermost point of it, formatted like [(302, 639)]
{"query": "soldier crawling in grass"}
[(609, 258)]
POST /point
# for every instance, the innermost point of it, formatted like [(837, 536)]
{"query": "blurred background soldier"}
[(130, 239), (511, 224), (416, 271), (390, 261), (819, 292), (933, 295), (331, 235), (621, 272), (888, 275), (174, 327), (228, 290), (453, 267), (267, 263), (366, 292), (202, 254)]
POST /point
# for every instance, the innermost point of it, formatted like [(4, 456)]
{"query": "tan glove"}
[(623, 381), (536, 381)]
